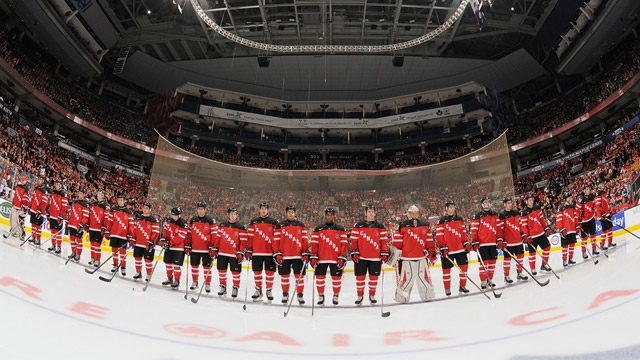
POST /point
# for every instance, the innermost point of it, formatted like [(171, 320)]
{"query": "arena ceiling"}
[(158, 29)]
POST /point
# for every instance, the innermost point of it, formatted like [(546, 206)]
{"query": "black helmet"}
[(201, 204), (176, 211), (507, 199), (263, 204), (370, 206), (290, 207), (530, 196), (121, 196), (484, 198), (147, 204), (449, 202), (567, 195), (329, 210), (231, 209)]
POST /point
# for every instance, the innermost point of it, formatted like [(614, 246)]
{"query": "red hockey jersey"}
[(231, 239), (120, 223), (586, 207), (328, 242), (602, 205), (413, 237), (292, 240), (369, 239), (175, 232), (484, 228), (79, 214), (39, 200), (262, 231), (20, 197), (567, 219), (98, 216), (145, 229), (532, 222), (202, 233), (58, 203), (509, 227), (451, 231)]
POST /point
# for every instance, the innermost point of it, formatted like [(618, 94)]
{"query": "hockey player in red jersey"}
[(229, 248), (291, 250), (146, 230), (567, 221), (119, 227), (451, 236), (78, 223), (415, 240), (484, 240), (586, 209), (173, 238), (329, 251), (202, 233), (262, 230), (369, 249), (58, 203), (534, 226), (603, 214), (510, 238), (98, 216), (19, 208), (37, 207)]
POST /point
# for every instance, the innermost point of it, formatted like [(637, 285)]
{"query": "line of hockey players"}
[(270, 245)]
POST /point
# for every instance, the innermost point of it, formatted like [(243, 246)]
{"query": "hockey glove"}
[(277, 257), (355, 256), (547, 231), (563, 233), (444, 251), (467, 246), (305, 257), (314, 261), (150, 245), (248, 254), (107, 235), (500, 244), (167, 245), (131, 243), (213, 252), (239, 257), (384, 256), (475, 245), (342, 262), (187, 250)]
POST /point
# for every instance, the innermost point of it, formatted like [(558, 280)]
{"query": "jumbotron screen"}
[(180, 178)]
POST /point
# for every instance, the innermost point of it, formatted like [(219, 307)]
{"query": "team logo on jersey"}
[(337, 236), (299, 232), (235, 233), (148, 226), (206, 228), (424, 232)]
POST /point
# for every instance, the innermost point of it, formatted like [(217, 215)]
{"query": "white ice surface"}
[(52, 311)]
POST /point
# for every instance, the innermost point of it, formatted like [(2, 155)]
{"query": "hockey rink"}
[(54, 311)]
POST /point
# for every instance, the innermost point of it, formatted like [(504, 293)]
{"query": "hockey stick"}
[(302, 273), (496, 295), (465, 274), (625, 229), (382, 312), (186, 289), (527, 271), (547, 264), (195, 300), (152, 271), (601, 250), (99, 266), (117, 268), (27, 239), (595, 261), (246, 288), (313, 293), (49, 239)]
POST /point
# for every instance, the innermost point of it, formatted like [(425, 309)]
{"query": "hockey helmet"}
[(263, 204), (201, 204), (507, 199), (147, 204), (176, 210), (449, 202), (121, 196), (567, 194), (329, 210), (370, 206), (290, 207), (232, 209), (530, 196)]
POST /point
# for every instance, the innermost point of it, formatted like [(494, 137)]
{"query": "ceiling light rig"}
[(329, 48)]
